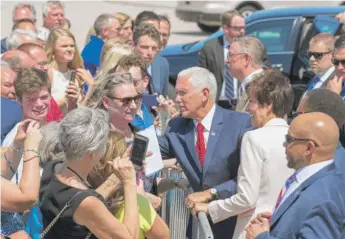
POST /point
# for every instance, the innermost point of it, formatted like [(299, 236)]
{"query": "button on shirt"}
[(302, 175), (222, 92), (207, 123)]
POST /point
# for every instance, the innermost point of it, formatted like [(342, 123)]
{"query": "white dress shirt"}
[(302, 175), (207, 123), (262, 172), (222, 92), (246, 80)]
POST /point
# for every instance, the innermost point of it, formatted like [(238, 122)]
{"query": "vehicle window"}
[(273, 34)]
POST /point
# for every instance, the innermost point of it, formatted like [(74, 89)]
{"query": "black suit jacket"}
[(211, 57)]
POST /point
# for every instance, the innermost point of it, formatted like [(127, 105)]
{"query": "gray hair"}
[(101, 22), (201, 77), (84, 131), (50, 147), (47, 6), (106, 85), (340, 42), (253, 47), (24, 5), (14, 41)]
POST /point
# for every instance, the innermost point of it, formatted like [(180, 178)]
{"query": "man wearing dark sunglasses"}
[(310, 204), (337, 83), (320, 59)]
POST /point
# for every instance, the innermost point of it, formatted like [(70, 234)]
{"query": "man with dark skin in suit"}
[(313, 138)]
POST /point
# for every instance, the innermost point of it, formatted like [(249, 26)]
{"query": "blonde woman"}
[(64, 58), (110, 43), (112, 57), (126, 24)]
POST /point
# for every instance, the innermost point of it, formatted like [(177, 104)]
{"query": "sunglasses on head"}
[(128, 100), (317, 55), (289, 139), (336, 62)]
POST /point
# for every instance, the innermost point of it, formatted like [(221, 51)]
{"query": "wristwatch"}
[(214, 193)]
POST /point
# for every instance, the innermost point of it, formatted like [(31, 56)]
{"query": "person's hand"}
[(72, 94), (199, 207), (183, 184), (34, 135), (19, 235), (340, 17), (254, 229), (165, 106), (124, 170), (336, 84), (18, 141), (85, 75), (155, 201), (261, 217), (198, 197)]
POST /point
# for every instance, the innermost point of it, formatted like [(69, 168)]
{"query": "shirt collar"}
[(303, 174), (249, 78), (207, 121), (226, 43)]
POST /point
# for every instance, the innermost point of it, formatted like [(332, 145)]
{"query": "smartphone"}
[(139, 149), (73, 75), (150, 100)]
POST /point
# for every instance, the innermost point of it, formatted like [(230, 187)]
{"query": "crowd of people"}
[(68, 121)]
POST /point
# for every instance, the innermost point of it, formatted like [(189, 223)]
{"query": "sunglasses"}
[(317, 55), (128, 100), (336, 62), (289, 139)]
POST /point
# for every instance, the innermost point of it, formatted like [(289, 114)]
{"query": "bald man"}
[(312, 201), (17, 59), (38, 55)]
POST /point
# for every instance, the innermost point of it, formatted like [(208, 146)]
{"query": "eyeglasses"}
[(136, 81), (237, 28), (235, 54), (317, 55), (128, 100), (289, 139), (336, 62)]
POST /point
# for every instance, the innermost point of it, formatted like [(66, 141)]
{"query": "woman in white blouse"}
[(64, 58), (263, 169)]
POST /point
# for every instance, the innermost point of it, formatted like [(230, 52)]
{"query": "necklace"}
[(86, 183)]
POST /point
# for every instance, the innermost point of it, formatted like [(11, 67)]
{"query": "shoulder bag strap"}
[(52, 223)]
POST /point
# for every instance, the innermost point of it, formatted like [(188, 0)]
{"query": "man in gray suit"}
[(245, 60), (214, 53), (320, 58)]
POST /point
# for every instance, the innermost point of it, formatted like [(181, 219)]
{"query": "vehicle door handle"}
[(278, 67)]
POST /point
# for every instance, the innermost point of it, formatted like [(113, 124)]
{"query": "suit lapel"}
[(216, 128), (242, 103), (294, 195), (220, 52), (190, 142)]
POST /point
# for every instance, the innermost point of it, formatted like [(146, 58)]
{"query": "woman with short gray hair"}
[(69, 206)]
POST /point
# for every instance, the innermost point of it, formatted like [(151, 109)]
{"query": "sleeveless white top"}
[(60, 84)]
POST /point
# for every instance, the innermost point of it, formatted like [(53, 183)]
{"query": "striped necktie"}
[(229, 84), (288, 183)]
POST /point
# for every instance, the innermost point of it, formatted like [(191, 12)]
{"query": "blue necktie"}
[(313, 82), (229, 84)]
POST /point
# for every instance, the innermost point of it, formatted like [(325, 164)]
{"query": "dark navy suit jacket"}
[(221, 161), (11, 114), (339, 159), (160, 75), (316, 209)]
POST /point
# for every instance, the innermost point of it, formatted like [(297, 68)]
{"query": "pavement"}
[(82, 15)]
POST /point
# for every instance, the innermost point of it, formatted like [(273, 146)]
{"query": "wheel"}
[(247, 10), (207, 29)]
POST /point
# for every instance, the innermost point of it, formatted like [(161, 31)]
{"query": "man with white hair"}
[(21, 11), (245, 58), (20, 36), (206, 141), (53, 17), (106, 26)]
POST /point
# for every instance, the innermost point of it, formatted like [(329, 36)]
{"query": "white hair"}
[(24, 5), (84, 131), (47, 6), (201, 77), (102, 21), (14, 40)]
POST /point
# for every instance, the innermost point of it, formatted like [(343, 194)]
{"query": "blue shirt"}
[(145, 122), (11, 114), (91, 54)]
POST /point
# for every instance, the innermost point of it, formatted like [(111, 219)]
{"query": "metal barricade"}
[(176, 214)]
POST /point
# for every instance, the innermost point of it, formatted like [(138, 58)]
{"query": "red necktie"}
[(200, 143), (288, 182)]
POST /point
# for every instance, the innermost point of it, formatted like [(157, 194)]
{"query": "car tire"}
[(208, 29), (247, 10)]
